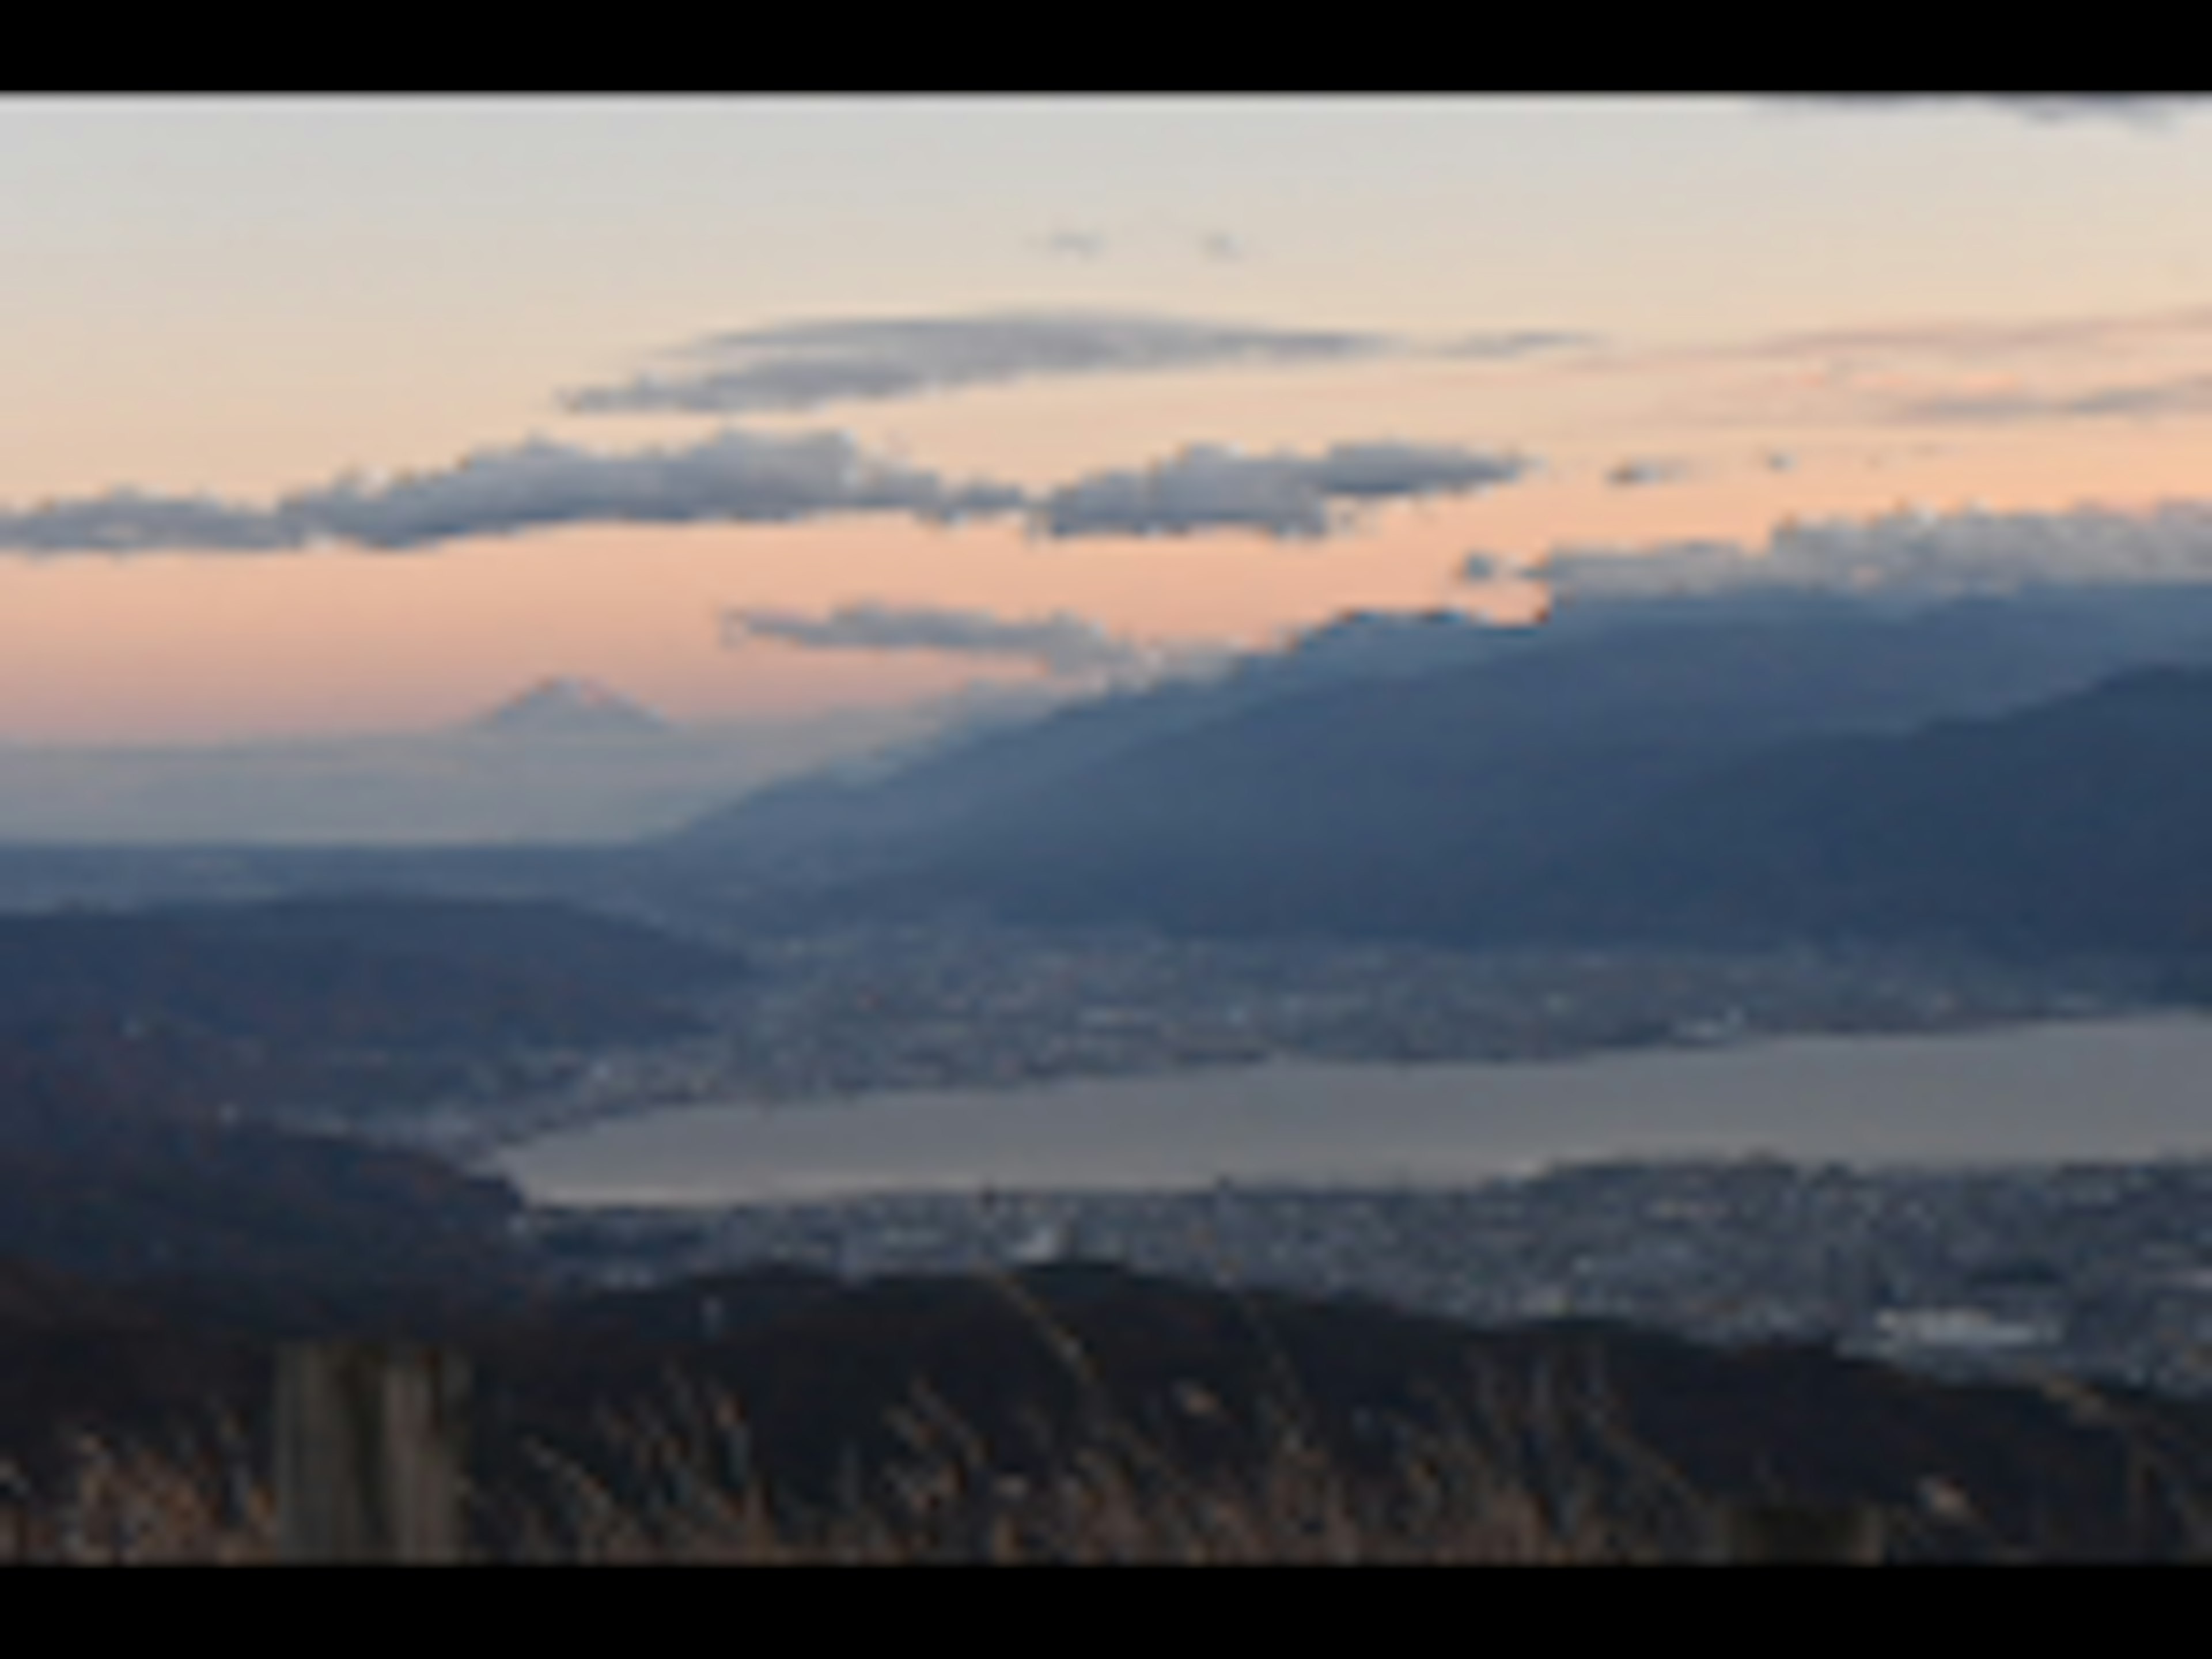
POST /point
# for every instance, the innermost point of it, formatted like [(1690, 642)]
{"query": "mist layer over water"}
[(2112, 1090)]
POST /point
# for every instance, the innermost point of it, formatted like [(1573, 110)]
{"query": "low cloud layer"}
[(1907, 554), (1208, 487), (1060, 643), (803, 365), (751, 477), (736, 476)]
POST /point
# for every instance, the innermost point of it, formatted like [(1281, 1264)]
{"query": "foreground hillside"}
[(1081, 1413)]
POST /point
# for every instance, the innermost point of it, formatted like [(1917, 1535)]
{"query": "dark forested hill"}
[(150, 1062), (2083, 824), (395, 969), (817, 1367), (114, 1165)]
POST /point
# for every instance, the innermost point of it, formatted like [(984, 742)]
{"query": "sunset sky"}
[(359, 414)]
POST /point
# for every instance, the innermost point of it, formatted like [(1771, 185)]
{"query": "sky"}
[(359, 414)]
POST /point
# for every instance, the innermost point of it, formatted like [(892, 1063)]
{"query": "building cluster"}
[(866, 1011), (2097, 1271)]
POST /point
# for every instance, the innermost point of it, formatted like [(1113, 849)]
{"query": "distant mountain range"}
[(569, 707), (2016, 772), (563, 760), (1705, 770)]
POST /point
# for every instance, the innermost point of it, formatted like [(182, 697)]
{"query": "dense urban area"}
[(2102, 1270), (2095, 1271), (865, 1011)]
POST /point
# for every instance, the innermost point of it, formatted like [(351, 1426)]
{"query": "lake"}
[(2107, 1090)]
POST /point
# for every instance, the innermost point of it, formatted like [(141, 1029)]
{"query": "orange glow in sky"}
[(1761, 311)]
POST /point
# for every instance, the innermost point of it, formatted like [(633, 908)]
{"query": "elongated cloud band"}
[(1907, 554), (802, 365), (797, 366), (1060, 643), (737, 476), (1207, 486), (748, 476), (2181, 394)]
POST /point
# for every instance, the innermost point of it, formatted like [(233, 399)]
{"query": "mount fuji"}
[(568, 706)]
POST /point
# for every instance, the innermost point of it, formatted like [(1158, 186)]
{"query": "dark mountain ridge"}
[(394, 970), (2081, 824), (116, 1165), (1427, 803)]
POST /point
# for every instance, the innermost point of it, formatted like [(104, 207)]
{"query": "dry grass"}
[(1528, 1470), (194, 1502), (1109, 1494), (1523, 1469)]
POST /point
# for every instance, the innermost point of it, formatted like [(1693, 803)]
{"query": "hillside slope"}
[(2080, 825), (1426, 803), (1023, 1371)]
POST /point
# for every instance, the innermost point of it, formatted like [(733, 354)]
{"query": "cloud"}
[(1061, 643), (1908, 553), (2089, 336), (1208, 487), (2135, 109), (2188, 394), (2144, 111), (1638, 471), (1067, 244), (1515, 343), (735, 475), (801, 365), (750, 478), (131, 520), (732, 476)]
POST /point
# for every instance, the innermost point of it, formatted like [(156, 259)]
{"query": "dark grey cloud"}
[(1210, 487), (1060, 643), (735, 475), (1908, 553), (801, 365), (738, 475), (130, 520), (1638, 470)]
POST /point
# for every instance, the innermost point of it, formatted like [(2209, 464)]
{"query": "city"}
[(2099, 1271), (2090, 1270), (858, 1011)]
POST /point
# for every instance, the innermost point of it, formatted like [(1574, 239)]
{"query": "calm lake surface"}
[(2136, 1088)]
